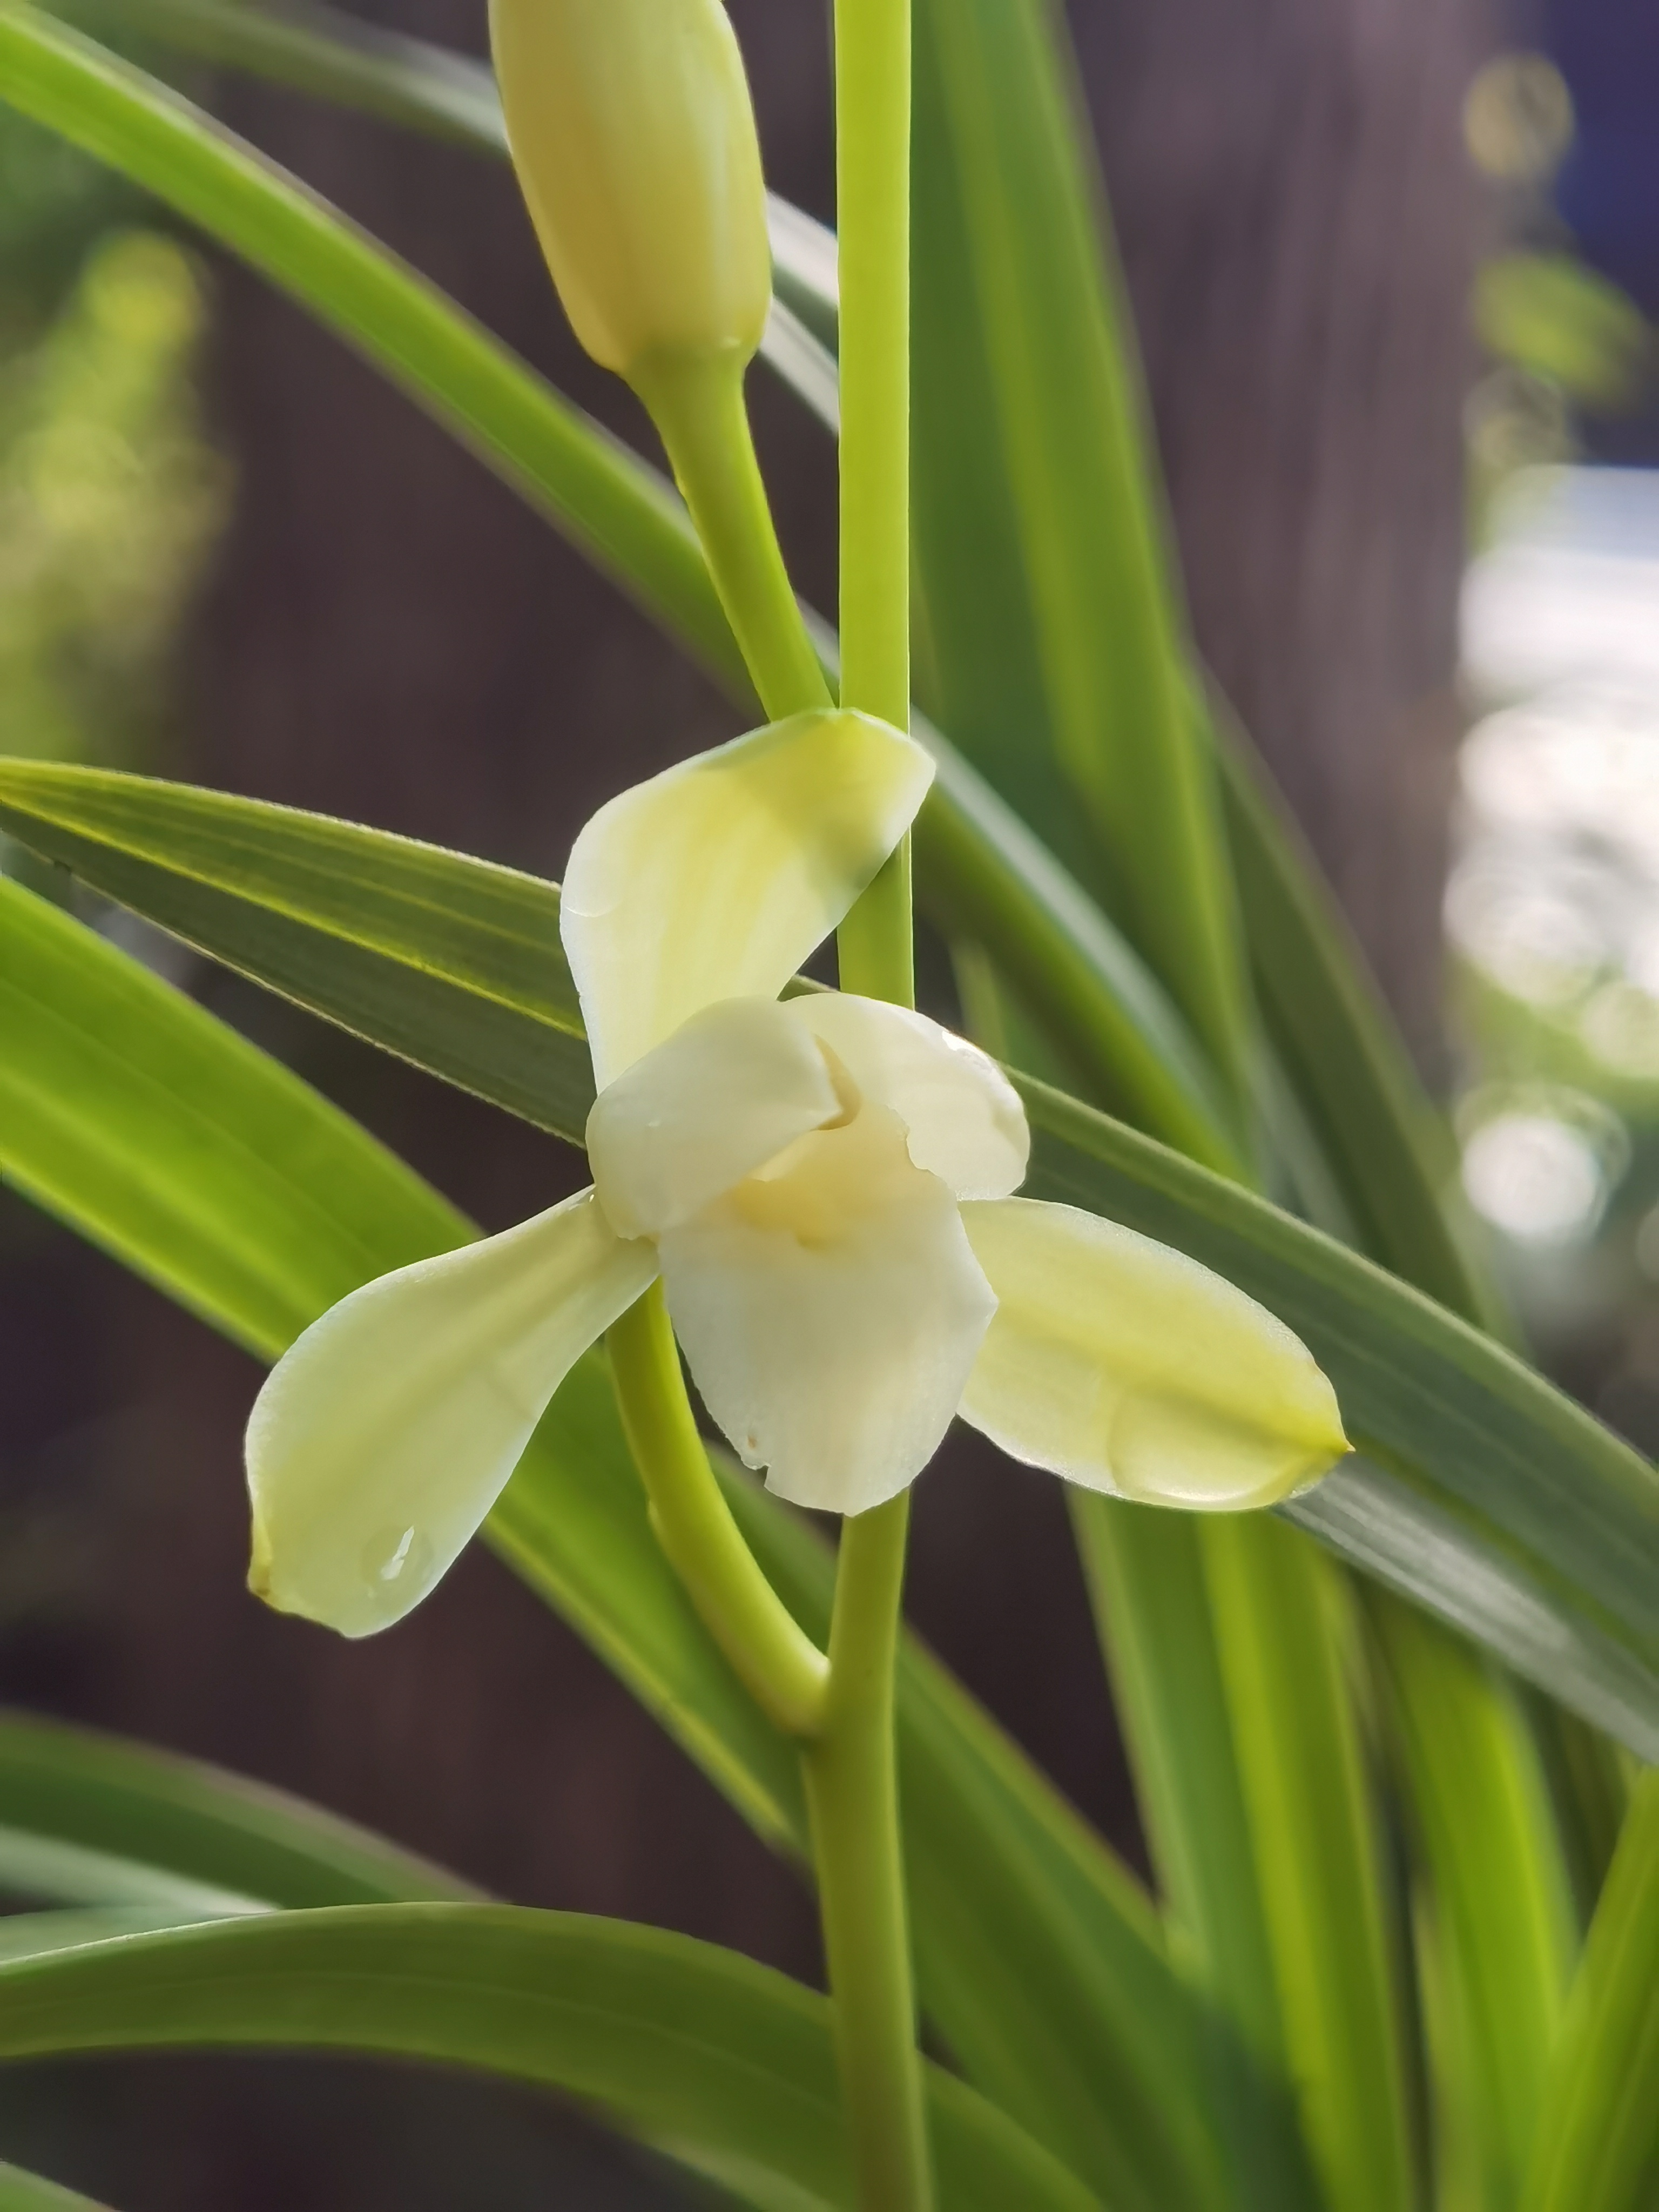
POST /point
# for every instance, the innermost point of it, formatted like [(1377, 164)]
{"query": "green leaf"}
[(1276, 1604), (1391, 1152), (1087, 1944), (451, 96), (726, 2065), (1008, 229), (452, 963), (119, 1816), (618, 512), (111, 1091), (1053, 640), (32, 2192), (1145, 1573), (1480, 1491), (1484, 1493), (1598, 2133), (34, 1867), (323, 51), (1495, 1881), (456, 964), (977, 867)]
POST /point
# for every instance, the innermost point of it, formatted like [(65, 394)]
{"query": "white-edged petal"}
[(386, 1432), (728, 1091), (717, 878), (1130, 1368), (830, 1311), (966, 1119)]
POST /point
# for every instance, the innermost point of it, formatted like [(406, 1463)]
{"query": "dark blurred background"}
[(1371, 252)]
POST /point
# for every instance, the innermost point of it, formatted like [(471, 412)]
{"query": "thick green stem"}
[(852, 1784), (782, 1668), (872, 211), (697, 405), (852, 1796)]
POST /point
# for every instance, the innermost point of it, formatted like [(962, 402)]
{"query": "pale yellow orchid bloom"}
[(824, 1185)]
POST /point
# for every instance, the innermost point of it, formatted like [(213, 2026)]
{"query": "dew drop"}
[(396, 1555)]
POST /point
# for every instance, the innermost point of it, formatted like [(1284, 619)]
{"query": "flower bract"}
[(825, 1186)]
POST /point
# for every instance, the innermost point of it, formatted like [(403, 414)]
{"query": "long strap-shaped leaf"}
[(197, 1161), (1598, 2133), (622, 515), (1501, 1918), (979, 868), (452, 96), (1036, 468), (725, 2064), (1485, 1493), (131, 1809), (32, 2193)]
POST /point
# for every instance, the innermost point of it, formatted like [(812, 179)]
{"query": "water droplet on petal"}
[(396, 1555)]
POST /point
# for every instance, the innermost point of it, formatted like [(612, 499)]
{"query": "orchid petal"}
[(830, 1311), (1129, 1368), (727, 1092), (389, 1429), (717, 878), (965, 1120)]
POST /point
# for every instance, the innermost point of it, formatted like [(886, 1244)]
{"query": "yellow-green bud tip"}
[(634, 137)]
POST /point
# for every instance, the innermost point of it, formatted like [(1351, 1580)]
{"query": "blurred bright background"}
[(1397, 286)]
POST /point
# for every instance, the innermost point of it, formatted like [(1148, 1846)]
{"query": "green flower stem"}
[(872, 208), (852, 1801), (851, 1786), (697, 405), (779, 1664)]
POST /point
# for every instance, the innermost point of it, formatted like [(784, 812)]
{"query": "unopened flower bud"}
[(634, 137)]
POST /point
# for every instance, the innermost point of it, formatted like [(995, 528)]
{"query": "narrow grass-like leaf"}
[(44, 1868), (32, 2193), (621, 514), (1146, 1572), (997, 114), (614, 507), (726, 2065), (1276, 1602), (130, 1813), (1597, 2146), (1392, 1151), (1589, 1781), (453, 963), (457, 964), (1502, 1915), (111, 1090), (443, 95), (1479, 1492), (206, 1167), (1487, 1495)]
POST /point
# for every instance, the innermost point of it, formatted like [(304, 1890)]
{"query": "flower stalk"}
[(698, 407), (851, 1768), (781, 1667)]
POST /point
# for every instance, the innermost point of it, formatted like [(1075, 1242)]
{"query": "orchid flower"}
[(824, 1184)]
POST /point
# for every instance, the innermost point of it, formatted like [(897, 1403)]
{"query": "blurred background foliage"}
[(1397, 285)]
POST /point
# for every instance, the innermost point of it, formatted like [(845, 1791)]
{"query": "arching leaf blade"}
[(725, 2064), (1597, 2146), (136, 1065), (132, 1813)]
